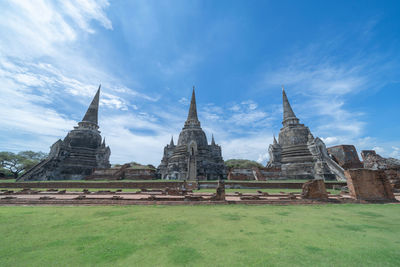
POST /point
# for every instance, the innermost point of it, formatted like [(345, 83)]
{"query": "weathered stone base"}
[(367, 184)]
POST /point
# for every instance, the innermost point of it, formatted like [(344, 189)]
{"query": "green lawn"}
[(7, 180), (222, 235)]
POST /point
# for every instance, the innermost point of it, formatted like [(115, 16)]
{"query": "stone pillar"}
[(220, 192), (314, 189)]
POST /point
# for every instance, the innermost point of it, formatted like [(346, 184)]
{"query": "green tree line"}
[(15, 164), (242, 163)]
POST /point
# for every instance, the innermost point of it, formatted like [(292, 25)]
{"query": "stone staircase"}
[(34, 168)]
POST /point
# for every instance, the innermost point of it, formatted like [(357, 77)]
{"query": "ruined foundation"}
[(367, 184)]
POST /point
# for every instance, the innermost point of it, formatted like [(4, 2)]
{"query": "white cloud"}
[(83, 11), (40, 27), (330, 140), (126, 144), (251, 105), (395, 153), (43, 75), (378, 149), (184, 101), (235, 107), (254, 147), (23, 112)]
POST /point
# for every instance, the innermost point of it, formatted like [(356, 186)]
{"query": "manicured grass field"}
[(222, 235)]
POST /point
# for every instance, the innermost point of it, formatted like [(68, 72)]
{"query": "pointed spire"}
[(192, 118), (104, 142), (172, 141), (288, 115), (275, 142), (212, 140), (93, 110)]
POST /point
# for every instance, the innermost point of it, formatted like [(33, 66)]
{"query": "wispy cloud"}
[(40, 27), (41, 67), (82, 12)]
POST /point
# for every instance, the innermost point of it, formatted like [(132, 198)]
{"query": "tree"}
[(17, 163), (242, 163)]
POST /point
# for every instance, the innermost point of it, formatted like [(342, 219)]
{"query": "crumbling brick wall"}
[(390, 166), (367, 184)]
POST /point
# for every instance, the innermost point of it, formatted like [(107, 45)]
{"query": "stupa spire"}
[(275, 142), (212, 140), (172, 141), (93, 110), (288, 115), (192, 118)]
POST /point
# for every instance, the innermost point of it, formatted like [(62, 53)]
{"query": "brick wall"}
[(156, 185)]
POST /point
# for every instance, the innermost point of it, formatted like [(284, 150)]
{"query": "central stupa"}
[(192, 158)]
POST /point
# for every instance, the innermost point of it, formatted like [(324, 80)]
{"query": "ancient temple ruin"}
[(75, 157), (192, 158), (298, 154)]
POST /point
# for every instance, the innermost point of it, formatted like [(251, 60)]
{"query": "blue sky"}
[(339, 62)]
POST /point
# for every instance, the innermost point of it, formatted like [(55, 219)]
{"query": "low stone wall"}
[(270, 173), (278, 185), (249, 174), (123, 172), (120, 185), (158, 185), (241, 174)]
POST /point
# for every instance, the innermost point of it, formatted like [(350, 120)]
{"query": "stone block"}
[(220, 192), (173, 191), (9, 197), (314, 189), (346, 156), (250, 197), (46, 198), (367, 184), (190, 185), (193, 198)]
